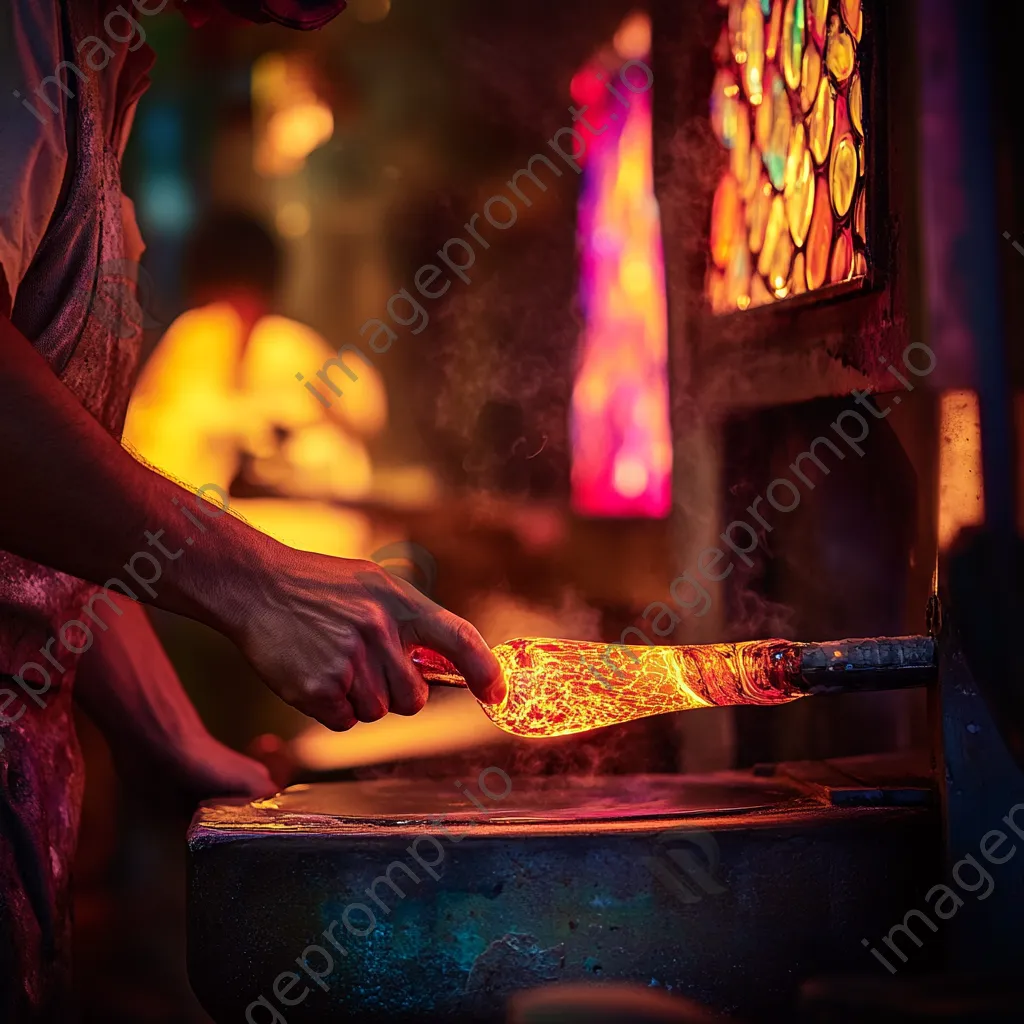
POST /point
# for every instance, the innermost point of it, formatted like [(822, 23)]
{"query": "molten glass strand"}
[(558, 687)]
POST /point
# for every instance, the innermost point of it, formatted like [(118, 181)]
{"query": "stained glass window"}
[(787, 103)]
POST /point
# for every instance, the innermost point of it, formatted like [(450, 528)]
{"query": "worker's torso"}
[(93, 348)]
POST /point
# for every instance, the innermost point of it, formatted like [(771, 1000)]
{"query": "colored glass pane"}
[(843, 174), (778, 269), (842, 258), (820, 121), (798, 279), (853, 16), (777, 149), (799, 191), (774, 89), (757, 215), (773, 31), (839, 50), (856, 105), (793, 41), (819, 238), (737, 279), (752, 42), (715, 290), (725, 220), (740, 161), (810, 76), (759, 294), (753, 178), (817, 19), (724, 105), (773, 233), (860, 218)]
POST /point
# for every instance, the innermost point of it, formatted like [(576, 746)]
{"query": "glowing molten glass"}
[(621, 438), (557, 687)]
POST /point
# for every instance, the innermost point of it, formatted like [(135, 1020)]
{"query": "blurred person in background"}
[(82, 513), (217, 401)]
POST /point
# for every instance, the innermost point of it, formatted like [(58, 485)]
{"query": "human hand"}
[(204, 767), (330, 637)]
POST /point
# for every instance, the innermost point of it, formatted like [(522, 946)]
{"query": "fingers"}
[(408, 689), (368, 695), (459, 641), (338, 715)]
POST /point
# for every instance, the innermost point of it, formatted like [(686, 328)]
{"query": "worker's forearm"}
[(128, 687), (79, 503)]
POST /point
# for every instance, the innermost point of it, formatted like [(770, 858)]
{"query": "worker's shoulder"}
[(34, 83)]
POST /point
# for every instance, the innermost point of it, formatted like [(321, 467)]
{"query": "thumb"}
[(461, 644)]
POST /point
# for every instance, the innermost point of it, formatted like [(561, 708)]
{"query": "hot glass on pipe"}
[(558, 687)]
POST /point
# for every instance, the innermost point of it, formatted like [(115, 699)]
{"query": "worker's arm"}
[(317, 629), (128, 687)]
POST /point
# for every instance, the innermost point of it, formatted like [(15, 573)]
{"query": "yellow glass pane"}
[(737, 279), (817, 18), (819, 238), (842, 173), (778, 271), (759, 294), (740, 158), (856, 105), (839, 50), (722, 51), (773, 236), (820, 121), (753, 179), (842, 258), (793, 42), (810, 76), (853, 16), (773, 30), (798, 279), (724, 104), (726, 220), (715, 290), (860, 217), (757, 214), (752, 41), (775, 152), (735, 23), (775, 89), (860, 265), (799, 192)]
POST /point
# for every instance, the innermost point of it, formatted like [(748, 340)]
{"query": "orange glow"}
[(961, 499), (633, 39), (558, 687), (291, 119), (209, 393), (445, 726), (622, 449), (293, 133)]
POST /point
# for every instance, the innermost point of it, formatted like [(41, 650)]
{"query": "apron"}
[(96, 357)]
